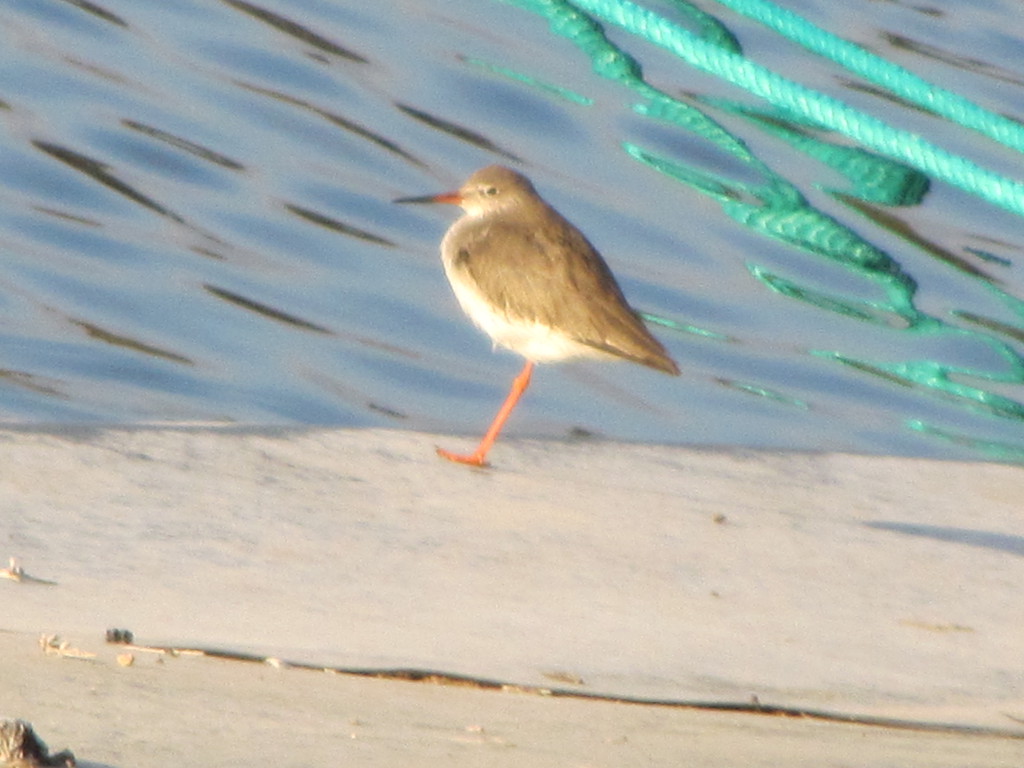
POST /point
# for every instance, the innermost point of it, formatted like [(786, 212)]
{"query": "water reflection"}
[(803, 275), (101, 173), (296, 30), (459, 132), (98, 11), (179, 143), (335, 119), (109, 337), (968, 63), (265, 310), (334, 225)]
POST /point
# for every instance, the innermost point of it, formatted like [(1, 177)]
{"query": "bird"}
[(533, 282)]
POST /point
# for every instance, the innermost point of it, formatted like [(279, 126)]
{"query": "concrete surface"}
[(869, 587)]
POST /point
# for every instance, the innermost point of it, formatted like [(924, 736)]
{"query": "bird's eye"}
[(491, 191)]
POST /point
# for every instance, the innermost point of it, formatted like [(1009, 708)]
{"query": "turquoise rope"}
[(777, 209), (872, 177), (874, 68), (822, 109), (710, 28)]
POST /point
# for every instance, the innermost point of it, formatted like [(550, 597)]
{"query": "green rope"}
[(778, 210), (533, 82), (999, 450), (710, 28), (775, 208), (873, 178), (890, 76), (820, 108)]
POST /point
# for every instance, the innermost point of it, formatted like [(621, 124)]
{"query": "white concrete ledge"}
[(870, 586)]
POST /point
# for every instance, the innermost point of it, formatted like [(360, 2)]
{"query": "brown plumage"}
[(533, 266), (535, 284)]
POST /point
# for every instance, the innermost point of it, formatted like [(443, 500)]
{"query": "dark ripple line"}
[(906, 232), (1014, 332), (337, 226), (184, 144), (967, 63), (458, 131), (128, 343), (264, 309), (31, 382), (99, 171), (296, 30), (65, 216), (98, 11), (337, 119), (284, 317)]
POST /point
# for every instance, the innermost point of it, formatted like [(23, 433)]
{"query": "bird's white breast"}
[(534, 341)]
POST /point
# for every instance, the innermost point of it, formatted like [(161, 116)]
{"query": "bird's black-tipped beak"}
[(453, 198), (423, 199)]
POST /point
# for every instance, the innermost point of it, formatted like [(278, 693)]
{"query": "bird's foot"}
[(473, 459)]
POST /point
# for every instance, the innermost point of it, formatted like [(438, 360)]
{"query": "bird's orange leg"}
[(478, 457)]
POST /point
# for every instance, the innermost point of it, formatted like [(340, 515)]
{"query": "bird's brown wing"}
[(549, 273)]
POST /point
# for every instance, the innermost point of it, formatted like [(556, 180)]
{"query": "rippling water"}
[(196, 225)]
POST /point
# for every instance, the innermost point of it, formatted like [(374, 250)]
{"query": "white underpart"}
[(533, 341)]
